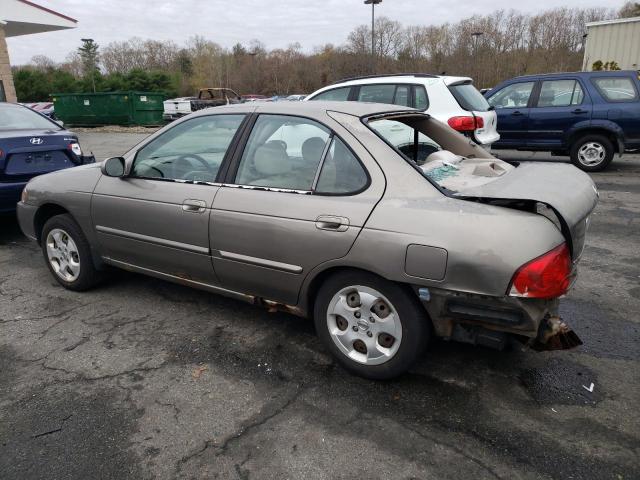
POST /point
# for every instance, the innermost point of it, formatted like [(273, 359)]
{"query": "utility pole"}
[(373, 4)]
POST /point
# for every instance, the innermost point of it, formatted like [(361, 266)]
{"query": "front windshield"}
[(16, 117), (443, 156)]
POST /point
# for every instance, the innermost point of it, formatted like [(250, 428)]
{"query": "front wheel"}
[(67, 253), (375, 328), (592, 153)]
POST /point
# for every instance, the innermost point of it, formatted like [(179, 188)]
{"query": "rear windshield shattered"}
[(444, 157)]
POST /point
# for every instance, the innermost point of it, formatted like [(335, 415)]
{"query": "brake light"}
[(466, 123), (75, 148), (547, 276)]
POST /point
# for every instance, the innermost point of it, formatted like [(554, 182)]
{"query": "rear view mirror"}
[(113, 167)]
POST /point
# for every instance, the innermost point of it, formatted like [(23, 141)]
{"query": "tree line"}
[(490, 48)]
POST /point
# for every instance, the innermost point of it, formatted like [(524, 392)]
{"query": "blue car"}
[(32, 144), (589, 116)]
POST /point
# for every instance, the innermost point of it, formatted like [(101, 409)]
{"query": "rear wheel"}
[(374, 328), (67, 253), (592, 153)]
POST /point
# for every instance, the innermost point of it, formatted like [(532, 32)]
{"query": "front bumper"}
[(10, 196), (26, 219)]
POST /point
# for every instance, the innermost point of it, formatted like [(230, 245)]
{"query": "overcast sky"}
[(275, 23)]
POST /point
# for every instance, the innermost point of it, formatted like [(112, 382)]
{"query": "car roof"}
[(398, 78), (604, 73), (311, 108)]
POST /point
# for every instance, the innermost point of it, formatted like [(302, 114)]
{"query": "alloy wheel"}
[(63, 255), (364, 325), (591, 154)]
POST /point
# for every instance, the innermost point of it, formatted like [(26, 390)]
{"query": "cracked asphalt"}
[(142, 379)]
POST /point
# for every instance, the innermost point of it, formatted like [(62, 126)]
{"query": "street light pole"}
[(476, 38), (373, 4)]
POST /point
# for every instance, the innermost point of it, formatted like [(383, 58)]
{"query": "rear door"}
[(295, 197), (621, 104), (560, 106), (511, 105)]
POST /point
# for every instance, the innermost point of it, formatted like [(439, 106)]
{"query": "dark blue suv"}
[(589, 116)]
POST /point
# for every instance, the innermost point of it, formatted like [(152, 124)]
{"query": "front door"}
[(296, 197), (561, 107), (512, 108), (157, 217)]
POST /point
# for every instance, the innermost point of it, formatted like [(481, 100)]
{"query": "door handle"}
[(517, 113), (194, 206), (579, 110), (332, 223)]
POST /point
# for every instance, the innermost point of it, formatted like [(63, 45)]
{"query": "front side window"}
[(616, 89), (283, 152), (512, 96), (560, 93), (337, 94), (341, 171), (190, 151)]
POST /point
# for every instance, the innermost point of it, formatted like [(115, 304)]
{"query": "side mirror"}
[(113, 167), (59, 122)]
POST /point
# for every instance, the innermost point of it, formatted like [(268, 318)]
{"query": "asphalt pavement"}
[(140, 378)]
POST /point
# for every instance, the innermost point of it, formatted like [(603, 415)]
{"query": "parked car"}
[(589, 116), (207, 97), (253, 97), (308, 208), (452, 100), (296, 98), (45, 108), (32, 144)]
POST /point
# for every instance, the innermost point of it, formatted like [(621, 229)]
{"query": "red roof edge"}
[(27, 2)]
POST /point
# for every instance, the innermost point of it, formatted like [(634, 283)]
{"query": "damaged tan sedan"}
[(382, 224)]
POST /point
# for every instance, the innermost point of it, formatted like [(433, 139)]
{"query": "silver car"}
[(384, 225)]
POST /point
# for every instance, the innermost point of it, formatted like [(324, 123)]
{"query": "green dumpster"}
[(109, 108)]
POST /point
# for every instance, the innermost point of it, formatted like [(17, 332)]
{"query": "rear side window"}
[(337, 94), (341, 173), (422, 101), (616, 89), (560, 93), (469, 97), (377, 93), (515, 95)]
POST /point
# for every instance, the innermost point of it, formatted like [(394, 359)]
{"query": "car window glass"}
[(469, 98), (15, 117), (341, 171), (402, 137), (337, 94), (512, 96), (616, 89), (282, 152), (560, 93), (422, 101), (376, 93), (402, 95), (192, 150)]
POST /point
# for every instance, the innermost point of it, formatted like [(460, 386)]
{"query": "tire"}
[(67, 254), (394, 335), (592, 153)]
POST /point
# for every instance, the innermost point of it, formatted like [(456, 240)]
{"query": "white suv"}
[(452, 100)]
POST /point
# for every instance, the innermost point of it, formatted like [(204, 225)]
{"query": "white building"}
[(21, 17), (613, 41)]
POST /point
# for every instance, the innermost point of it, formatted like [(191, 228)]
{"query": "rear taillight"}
[(547, 276), (75, 148), (466, 123)]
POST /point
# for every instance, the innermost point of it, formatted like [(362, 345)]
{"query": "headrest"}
[(312, 149), (271, 159)]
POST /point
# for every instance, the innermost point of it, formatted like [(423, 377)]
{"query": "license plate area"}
[(37, 162)]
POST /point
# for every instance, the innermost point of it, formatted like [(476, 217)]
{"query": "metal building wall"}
[(613, 41)]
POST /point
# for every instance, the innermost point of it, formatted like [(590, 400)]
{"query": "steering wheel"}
[(183, 159)]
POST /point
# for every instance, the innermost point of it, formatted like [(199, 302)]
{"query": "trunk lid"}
[(569, 191), (27, 153)]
